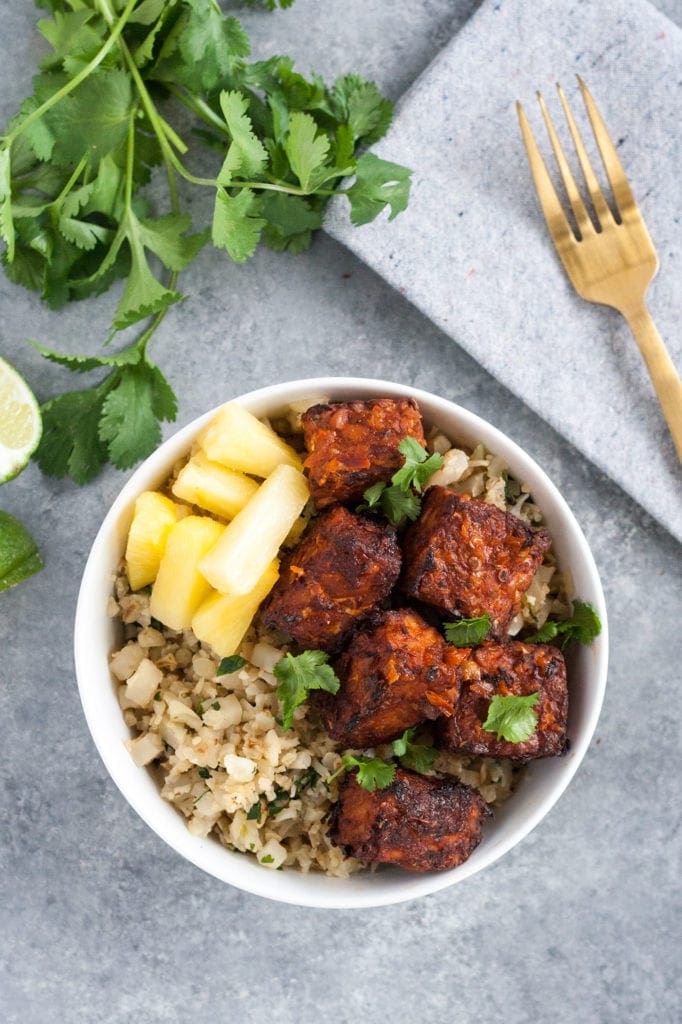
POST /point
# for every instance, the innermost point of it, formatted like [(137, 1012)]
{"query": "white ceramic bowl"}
[(544, 781)]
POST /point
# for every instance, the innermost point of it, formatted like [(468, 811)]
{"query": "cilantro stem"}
[(292, 190), (130, 159), (200, 108), (36, 114), (56, 203)]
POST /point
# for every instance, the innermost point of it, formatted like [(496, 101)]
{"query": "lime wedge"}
[(20, 422), (19, 556)]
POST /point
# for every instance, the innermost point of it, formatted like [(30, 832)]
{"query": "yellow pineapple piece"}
[(179, 587), (236, 439), (213, 487), (253, 538), (223, 619), (153, 517)]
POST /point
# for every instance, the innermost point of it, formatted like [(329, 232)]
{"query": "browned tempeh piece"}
[(509, 669), (352, 445), (396, 671), (344, 565), (467, 558), (419, 823)]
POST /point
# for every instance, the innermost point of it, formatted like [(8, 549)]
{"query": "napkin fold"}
[(473, 252)]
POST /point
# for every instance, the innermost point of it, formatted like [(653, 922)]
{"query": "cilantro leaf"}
[(306, 150), (255, 812), (298, 675), (417, 756), (467, 632), (372, 772), (83, 364), (202, 48), (290, 221), (93, 119), (398, 504), (143, 293), (583, 626), (237, 225), (418, 468), (373, 494), (82, 233), (362, 107), (398, 501), (166, 238), (246, 153), (128, 424), (70, 443), (272, 4), (512, 718), (378, 184), (230, 664)]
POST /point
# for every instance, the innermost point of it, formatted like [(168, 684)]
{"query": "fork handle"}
[(661, 368)]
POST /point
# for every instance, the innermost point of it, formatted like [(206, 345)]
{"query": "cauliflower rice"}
[(213, 742)]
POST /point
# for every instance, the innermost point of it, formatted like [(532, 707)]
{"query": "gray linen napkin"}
[(473, 252)]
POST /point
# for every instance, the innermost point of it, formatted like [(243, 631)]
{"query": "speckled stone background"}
[(473, 252), (101, 923)]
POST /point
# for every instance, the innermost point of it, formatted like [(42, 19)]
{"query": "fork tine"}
[(575, 199), (601, 208), (614, 169), (557, 222)]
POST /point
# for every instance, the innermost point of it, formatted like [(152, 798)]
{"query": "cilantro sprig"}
[(512, 718), (398, 500), (76, 157), (418, 756), (583, 626), (372, 772), (467, 632), (299, 675)]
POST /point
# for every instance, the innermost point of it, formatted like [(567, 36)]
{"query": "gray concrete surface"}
[(101, 923)]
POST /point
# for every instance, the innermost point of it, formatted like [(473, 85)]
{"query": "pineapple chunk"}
[(238, 440), (253, 538), (180, 588), (213, 487), (223, 619), (153, 517)]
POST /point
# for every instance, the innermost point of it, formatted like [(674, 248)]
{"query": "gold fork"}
[(611, 261)]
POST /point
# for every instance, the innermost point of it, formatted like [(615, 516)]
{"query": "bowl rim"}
[(198, 851)]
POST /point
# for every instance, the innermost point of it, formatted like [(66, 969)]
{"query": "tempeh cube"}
[(467, 558), (395, 672), (352, 445), (417, 822), (510, 669), (341, 569)]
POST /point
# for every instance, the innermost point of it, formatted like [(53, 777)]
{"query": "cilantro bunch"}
[(75, 159)]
